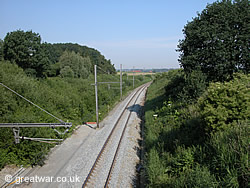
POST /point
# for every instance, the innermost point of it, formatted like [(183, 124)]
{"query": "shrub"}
[(66, 72), (228, 155), (181, 160), (175, 85), (183, 87), (225, 103), (197, 177), (180, 153), (155, 168)]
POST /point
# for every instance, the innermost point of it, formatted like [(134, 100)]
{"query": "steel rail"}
[(107, 140), (120, 141)]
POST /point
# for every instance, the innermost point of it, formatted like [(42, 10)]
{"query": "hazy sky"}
[(140, 33)]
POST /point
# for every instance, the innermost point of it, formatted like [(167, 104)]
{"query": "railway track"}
[(101, 171)]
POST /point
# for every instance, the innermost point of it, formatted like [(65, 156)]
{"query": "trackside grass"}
[(188, 143)]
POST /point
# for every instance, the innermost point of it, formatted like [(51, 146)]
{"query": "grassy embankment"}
[(202, 142), (70, 99)]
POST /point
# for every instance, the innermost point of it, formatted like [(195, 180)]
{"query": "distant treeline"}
[(38, 59), (147, 70)]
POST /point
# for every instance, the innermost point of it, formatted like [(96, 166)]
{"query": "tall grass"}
[(180, 152)]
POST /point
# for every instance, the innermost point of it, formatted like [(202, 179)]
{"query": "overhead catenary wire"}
[(113, 87), (32, 103), (61, 133), (107, 73), (46, 140), (108, 99), (117, 78), (96, 90), (16, 126)]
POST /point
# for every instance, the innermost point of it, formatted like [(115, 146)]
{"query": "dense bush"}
[(226, 103), (228, 155), (70, 99), (185, 87), (179, 152)]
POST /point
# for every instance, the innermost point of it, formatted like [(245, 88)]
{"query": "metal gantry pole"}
[(143, 73), (133, 77), (96, 98), (121, 80)]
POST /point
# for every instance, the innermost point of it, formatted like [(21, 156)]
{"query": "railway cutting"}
[(94, 157)]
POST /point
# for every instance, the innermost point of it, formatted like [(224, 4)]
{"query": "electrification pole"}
[(96, 91), (96, 99), (143, 73), (121, 81), (133, 77)]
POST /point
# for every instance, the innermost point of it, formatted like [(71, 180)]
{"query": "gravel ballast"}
[(72, 160)]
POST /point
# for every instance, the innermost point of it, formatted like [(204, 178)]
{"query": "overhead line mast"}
[(96, 98), (96, 91), (121, 81)]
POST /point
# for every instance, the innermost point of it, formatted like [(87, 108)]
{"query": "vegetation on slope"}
[(56, 77), (197, 118), (201, 144), (70, 99)]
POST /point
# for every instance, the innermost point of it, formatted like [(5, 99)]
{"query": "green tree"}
[(1, 49), (25, 49), (217, 40), (95, 56), (193, 86), (78, 64), (66, 72)]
